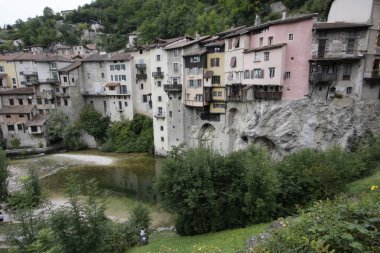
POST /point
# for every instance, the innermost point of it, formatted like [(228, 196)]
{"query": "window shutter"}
[(261, 73)]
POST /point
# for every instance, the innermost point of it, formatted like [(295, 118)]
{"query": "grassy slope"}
[(364, 184), (227, 241)]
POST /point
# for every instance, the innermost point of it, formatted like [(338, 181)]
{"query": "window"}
[(20, 102), (65, 79), (141, 86), (237, 43), (2, 69), (175, 66), (347, 71), (123, 89), (287, 75), (246, 74), (21, 115), (270, 40), (229, 42), (123, 78), (257, 73), (53, 65), (72, 79), (162, 139), (103, 75), (272, 72), (29, 101), (117, 67), (350, 45), (112, 67), (261, 42), (175, 80), (378, 39), (291, 36), (65, 102), (10, 128), (46, 101), (322, 48), (257, 56), (125, 103), (39, 101), (88, 75), (214, 62), (176, 52), (349, 90), (120, 105), (195, 59), (14, 80), (8, 116), (34, 129), (191, 83), (161, 128), (158, 57), (159, 83), (215, 79), (159, 98), (266, 56), (11, 102), (233, 62), (144, 98), (19, 127), (199, 97)]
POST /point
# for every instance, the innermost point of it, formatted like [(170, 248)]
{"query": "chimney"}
[(283, 15), (257, 20)]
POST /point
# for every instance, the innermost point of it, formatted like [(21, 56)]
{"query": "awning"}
[(208, 73), (3, 75)]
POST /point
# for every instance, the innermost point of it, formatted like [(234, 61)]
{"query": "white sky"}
[(11, 10)]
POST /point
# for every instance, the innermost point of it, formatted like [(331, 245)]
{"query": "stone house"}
[(8, 76)]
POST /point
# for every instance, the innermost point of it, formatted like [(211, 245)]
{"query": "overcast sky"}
[(11, 10)]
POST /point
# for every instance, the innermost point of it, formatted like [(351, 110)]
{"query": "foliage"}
[(4, 174), (210, 192), (31, 193), (343, 225), (15, 142), (72, 138), (92, 121), (130, 135), (55, 125), (140, 217)]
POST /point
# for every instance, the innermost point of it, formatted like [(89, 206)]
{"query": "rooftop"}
[(17, 109), (70, 67), (38, 120), (43, 57), (18, 91), (264, 48), (196, 52), (339, 25)]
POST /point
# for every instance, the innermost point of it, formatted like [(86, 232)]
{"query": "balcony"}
[(141, 76), (272, 95), (158, 75), (141, 66), (29, 83), (49, 80), (159, 115), (236, 98), (323, 77), (172, 88), (29, 73)]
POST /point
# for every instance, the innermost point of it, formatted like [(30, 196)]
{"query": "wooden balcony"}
[(159, 115), (323, 77), (272, 95), (141, 76), (172, 88), (158, 75)]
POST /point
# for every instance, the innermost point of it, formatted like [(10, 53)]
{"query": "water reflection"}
[(132, 176)]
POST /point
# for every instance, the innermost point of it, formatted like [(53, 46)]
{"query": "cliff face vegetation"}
[(152, 18)]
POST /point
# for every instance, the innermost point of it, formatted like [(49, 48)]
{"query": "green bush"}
[(72, 138), (15, 143), (343, 225), (3, 176), (140, 217)]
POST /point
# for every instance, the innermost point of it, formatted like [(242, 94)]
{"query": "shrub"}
[(15, 143), (92, 121), (72, 138), (343, 225), (3, 176), (140, 217)]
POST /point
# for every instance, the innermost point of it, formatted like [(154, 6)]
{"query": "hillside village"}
[(195, 87)]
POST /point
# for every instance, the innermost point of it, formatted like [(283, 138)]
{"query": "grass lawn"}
[(227, 241), (364, 184)]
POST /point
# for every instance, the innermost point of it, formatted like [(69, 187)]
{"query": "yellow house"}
[(214, 77), (8, 74)]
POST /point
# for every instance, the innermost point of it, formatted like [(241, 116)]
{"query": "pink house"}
[(277, 64)]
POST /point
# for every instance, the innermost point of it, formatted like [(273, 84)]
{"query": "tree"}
[(3, 176), (48, 12), (55, 125), (92, 121)]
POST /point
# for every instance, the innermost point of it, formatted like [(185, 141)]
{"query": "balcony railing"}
[(275, 95), (141, 76), (48, 80), (158, 75), (323, 77), (173, 88), (159, 115), (29, 83), (29, 73), (141, 66)]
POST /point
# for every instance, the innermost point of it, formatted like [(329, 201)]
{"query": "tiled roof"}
[(7, 57), (196, 52), (40, 57), (18, 91), (264, 48), (70, 67), (217, 43), (16, 109), (208, 73), (339, 25), (91, 46), (97, 57), (231, 30), (121, 57), (112, 84), (181, 44), (38, 120)]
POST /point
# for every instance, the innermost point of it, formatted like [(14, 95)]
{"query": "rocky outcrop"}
[(284, 127)]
